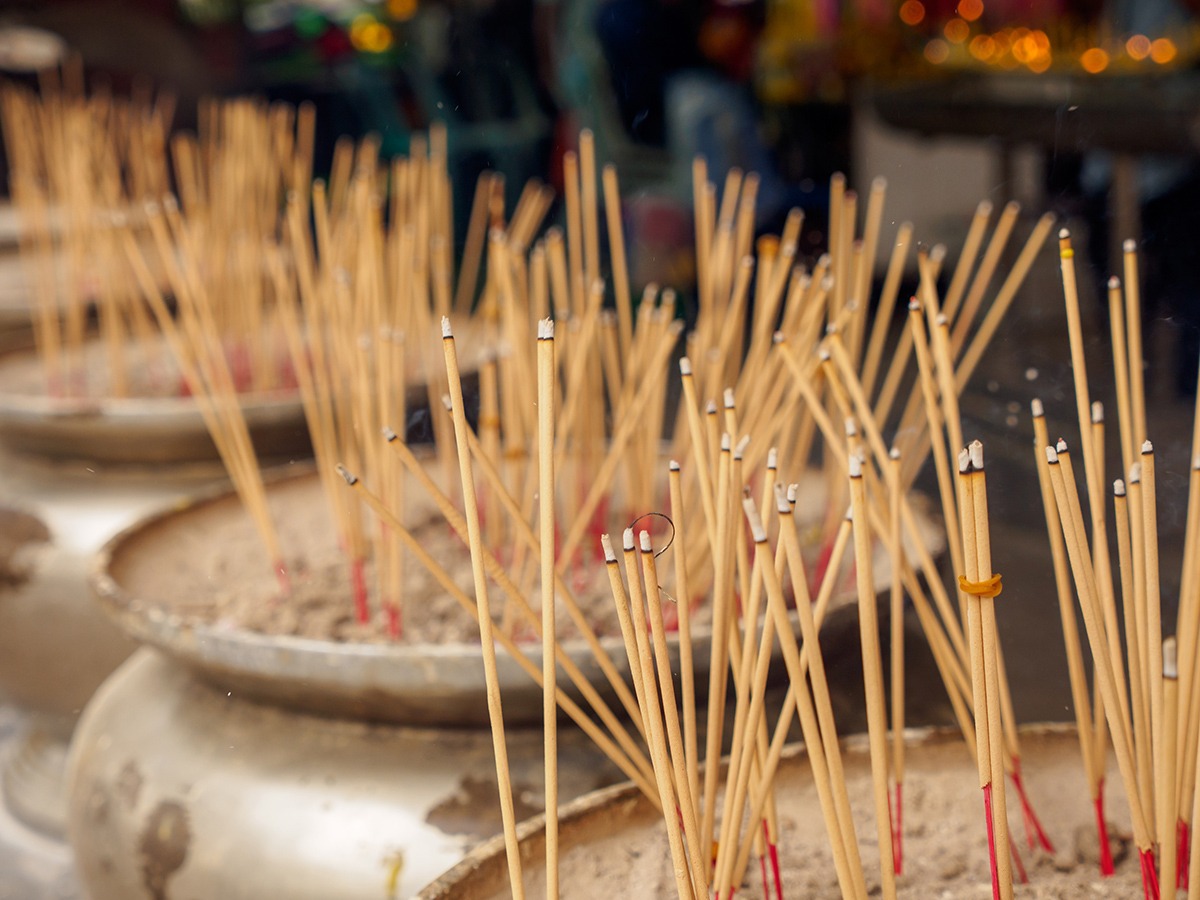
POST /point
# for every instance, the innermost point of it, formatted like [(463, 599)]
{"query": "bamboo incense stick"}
[(495, 708)]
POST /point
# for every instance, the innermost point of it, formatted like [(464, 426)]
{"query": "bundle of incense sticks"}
[(76, 160), (806, 366), (1145, 706)]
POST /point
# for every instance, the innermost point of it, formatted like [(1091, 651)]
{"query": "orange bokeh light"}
[(1162, 51), (1094, 60), (956, 31), (912, 12), (937, 51), (1138, 47), (970, 9), (982, 47)]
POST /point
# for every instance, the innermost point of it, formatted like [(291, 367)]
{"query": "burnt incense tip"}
[(727, 396), (388, 434), (894, 453), (644, 541), (781, 501), (941, 321), (447, 331), (673, 465), (1129, 246), (823, 353), (879, 183), (964, 460), (851, 427), (1061, 446), (938, 253), (685, 366), (1135, 473), (170, 204), (726, 442), (849, 517), (976, 450), (1114, 283), (1170, 658), (1147, 448), (756, 526), (773, 458), (824, 260), (1064, 234), (914, 305), (710, 408), (1051, 456), (855, 465), (545, 329), (793, 492), (1196, 463), (627, 539), (778, 338), (984, 208), (1119, 487), (742, 444), (1036, 406), (345, 473), (827, 283), (1097, 412), (606, 544), (447, 402)]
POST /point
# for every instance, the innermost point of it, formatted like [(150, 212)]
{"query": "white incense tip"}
[(447, 332), (1097, 412), (851, 426), (345, 473), (1119, 488), (824, 260), (606, 544), (849, 517), (726, 442), (894, 453), (879, 183), (1051, 455), (823, 354), (793, 492), (855, 466), (1147, 447), (388, 434), (627, 539), (976, 449), (673, 465), (1038, 410), (941, 321), (1130, 245), (964, 460), (1135, 473), (756, 526), (685, 366), (914, 305), (773, 458), (1113, 283), (938, 253), (728, 398), (740, 449), (1196, 463), (778, 337), (545, 329), (861, 453), (446, 402), (827, 283), (781, 500), (644, 540), (1061, 446), (1063, 234), (984, 208), (711, 408), (170, 204), (1170, 663)]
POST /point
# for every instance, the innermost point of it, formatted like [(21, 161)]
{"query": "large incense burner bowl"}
[(613, 842)]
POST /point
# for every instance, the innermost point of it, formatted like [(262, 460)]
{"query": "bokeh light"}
[(970, 9), (937, 51), (912, 12), (1162, 51), (1094, 60), (1138, 47), (956, 31)]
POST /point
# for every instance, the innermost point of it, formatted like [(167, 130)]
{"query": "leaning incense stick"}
[(546, 520), (495, 708)]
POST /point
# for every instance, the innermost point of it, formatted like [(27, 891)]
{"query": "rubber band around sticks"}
[(987, 589)]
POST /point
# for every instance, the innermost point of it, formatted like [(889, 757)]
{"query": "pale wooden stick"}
[(683, 600), (897, 647), (966, 259), (495, 708), (1168, 801), (1133, 325), (872, 674), (887, 304), (1153, 647), (983, 277)]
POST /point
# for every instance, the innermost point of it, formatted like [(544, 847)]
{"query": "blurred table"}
[(1127, 115)]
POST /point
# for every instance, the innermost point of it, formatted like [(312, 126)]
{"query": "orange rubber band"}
[(987, 589)]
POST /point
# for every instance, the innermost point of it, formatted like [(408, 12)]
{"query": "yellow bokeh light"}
[(1138, 47), (1162, 51), (937, 51), (957, 31), (402, 10), (970, 9), (1041, 40), (1041, 64), (1094, 60), (982, 47), (912, 12)]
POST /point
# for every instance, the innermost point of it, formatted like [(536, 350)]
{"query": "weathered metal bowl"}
[(178, 789), (616, 834)]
